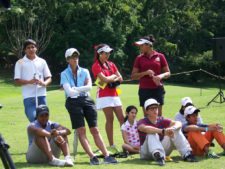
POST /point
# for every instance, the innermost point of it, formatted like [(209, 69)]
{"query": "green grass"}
[(13, 124)]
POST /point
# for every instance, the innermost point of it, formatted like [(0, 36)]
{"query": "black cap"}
[(28, 42), (42, 109)]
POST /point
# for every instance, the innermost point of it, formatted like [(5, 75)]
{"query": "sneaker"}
[(57, 162), (110, 160), (69, 161), (159, 160), (190, 158), (94, 161), (213, 155), (168, 159)]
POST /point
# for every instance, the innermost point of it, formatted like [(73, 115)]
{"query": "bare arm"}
[(25, 82), (60, 131), (39, 131), (46, 82), (124, 134), (119, 77), (194, 128), (149, 129), (136, 75), (107, 79), (164, 75)]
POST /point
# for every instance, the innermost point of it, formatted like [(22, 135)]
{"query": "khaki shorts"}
[(36, 155)]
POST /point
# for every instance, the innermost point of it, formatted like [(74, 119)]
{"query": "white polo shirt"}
[(26, 69)]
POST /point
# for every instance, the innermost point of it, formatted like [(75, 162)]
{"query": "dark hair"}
[(183, 108), (149, 38), (28, 42), (128, 109), (96, 56)]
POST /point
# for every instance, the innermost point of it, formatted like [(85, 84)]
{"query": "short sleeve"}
[(46, 72), (123, 128), (96, 69), (137, 63), (163, 60), (18, 67)]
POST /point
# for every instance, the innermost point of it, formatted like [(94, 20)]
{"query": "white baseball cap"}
[(150, 102), (185, 101), (105, 48), (69, 52), (190, 110), (143, 41)]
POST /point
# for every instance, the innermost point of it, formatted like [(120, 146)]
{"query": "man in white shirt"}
[(33, 74)]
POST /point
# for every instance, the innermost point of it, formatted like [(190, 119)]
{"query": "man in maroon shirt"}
[(159, 136)]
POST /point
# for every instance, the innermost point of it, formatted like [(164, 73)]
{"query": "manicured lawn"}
[(13, 124)]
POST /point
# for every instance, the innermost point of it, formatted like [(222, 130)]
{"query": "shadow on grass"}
[(28, 165)]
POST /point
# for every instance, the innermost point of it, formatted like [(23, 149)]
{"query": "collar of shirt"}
[(127, 123), (27, 59)]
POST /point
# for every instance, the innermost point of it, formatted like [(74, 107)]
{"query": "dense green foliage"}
[(183, 30)]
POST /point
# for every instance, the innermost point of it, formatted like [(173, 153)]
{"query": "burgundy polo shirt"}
[(155, 63)]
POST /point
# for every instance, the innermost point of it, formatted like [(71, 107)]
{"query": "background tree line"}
[(183, 30)]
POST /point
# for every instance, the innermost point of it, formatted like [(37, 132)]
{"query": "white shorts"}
[(104, 102)]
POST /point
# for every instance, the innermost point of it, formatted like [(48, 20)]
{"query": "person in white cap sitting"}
[(76, 82), (185, 102), (47, 140), (200, 135), (159, 136)]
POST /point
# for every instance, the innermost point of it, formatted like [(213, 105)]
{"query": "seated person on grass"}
[(130, 132), (159, 136), (185, 102), (200, 136), (46, 140)]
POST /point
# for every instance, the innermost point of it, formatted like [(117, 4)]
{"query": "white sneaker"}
[(69, 161), (57, 162)]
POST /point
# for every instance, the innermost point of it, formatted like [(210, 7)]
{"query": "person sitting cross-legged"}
[(47, 139), (200, 136), (159, 136)]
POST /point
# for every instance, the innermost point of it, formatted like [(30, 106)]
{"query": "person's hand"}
[(113, 77), (33, 81), (169, 132), (157, 80), (54, 133), (219, 128), (150, 73), (41, 83), (59, 139)]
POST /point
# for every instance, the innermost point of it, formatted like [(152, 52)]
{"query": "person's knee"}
[(94, 131), (81, 131), (41, 139)]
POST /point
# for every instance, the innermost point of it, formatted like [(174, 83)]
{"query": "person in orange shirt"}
[(200, 136)]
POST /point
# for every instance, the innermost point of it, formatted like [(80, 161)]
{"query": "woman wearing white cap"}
[(77, 83), (150, 68), (107, 96)]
